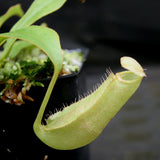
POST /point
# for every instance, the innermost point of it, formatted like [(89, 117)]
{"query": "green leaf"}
[(17, 47), (37, 10), (44, 38), (48, 41), (12, 11)]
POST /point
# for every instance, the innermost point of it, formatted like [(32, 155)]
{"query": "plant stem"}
[(38, 120)]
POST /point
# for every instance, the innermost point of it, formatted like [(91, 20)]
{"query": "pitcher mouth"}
[(127, 77)]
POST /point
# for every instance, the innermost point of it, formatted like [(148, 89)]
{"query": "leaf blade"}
[(50, 44), (17, 47), (34, 34), (37, 10), (15, 10)]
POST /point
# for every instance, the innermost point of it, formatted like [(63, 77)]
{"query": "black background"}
[(106, 27)]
